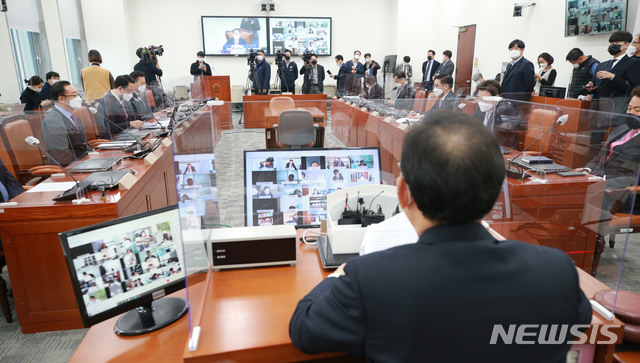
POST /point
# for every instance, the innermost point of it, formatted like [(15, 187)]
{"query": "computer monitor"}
[(128, 263), (287, 186), (557, 92)]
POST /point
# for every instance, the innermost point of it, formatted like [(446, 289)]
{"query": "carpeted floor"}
[(59, 346)]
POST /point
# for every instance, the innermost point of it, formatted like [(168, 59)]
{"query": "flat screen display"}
[(300, 35), (589, 17), (227, 35), (291, 186), (118, 264), (197, 190)]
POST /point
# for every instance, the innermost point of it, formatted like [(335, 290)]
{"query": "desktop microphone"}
[(133, 147), (35, 142), (560, 121), (393, 89)]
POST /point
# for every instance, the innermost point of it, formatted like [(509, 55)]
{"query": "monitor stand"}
[(152, 316)]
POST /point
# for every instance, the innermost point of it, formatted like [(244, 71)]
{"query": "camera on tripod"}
[(279, 58), (306, 56), (251, 58), (149, 54)]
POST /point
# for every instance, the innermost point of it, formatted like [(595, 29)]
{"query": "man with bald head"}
[(439, 299)]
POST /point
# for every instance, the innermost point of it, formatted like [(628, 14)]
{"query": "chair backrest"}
[(295, 128), (23, 155), (281, 103), (420, 101), (4, 156), (89, 121), (150, 98), (540, 120), (35, 120)]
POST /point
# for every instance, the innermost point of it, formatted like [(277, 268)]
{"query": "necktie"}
[(628, 137), (610, 65), (509, 66), (440, 104), (75, 121), (4, 192), (123, 109)]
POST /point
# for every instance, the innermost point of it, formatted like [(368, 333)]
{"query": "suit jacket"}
[(341, 79), (10, 182), (446, 68), (196, 71), (62, 139), (112, 118), (621, 168), (262, 76), (140, 107), (45, 93), (520, 78), (618, 89), (375, 93), (505, 123), (359, 67), (448, 103), (306, 72), (396, 305), (427, 79), (404, 97), (408, 73), (289, 76)]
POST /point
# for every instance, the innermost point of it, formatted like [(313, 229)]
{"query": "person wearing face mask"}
[(443, 90), (584, 68), (615, 78), (313, 82), (491, 111), (31, 95), (429, 68), (370, 66), (139, 103), (405, 67), (404, 94), (52, 77), (289, 73), (519, 78), (63, 134), (634, 49), (262, 75), (114, 111), (373, 91), (546, 76), (446, 67), (341, 77), (235, 44), (199, 67), (355, 70)]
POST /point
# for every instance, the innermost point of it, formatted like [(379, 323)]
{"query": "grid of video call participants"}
[(301, 35), (197, 191), (120, 266), (595, 16), (291, 187)]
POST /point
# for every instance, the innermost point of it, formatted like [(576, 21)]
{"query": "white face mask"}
[(438, 92), (514, 54), (575, 65), (127, 96), (543, 65), (484, 106), (259, 58), (200, 59), (142, 88), (76, 103), (37, 89), (631, 51), (338, 64), (367, 60), (356, 57)]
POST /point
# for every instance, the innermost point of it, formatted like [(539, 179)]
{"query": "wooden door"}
[(464, 58)]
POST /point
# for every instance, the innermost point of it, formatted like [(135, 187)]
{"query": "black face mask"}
[(314, 62), (614, 49), (429, 57), (633, 122), (287, 57)]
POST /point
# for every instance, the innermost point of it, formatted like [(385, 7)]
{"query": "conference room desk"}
[(42, 290), (255, 107), (246, 319), (272, 119)]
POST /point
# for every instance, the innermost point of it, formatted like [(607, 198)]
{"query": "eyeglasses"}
[(73, 95)]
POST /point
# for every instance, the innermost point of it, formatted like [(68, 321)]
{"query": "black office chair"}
[(295, 129)]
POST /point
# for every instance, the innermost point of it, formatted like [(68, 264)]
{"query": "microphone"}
[(393, 89), (35, 142), (133, 147), (374, 198)]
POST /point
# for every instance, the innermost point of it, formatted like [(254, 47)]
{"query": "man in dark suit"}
[(519, 78), (200, 67), (429, 68), (139, 103), (615, 78), (341, 77), (447, 65), (353, 80), (313, 76), (499, 116), (396, 305), (262, 75), (442, 89), (114, 110), (235, 45), (405, 93), (289, 73), (373, 91), (62, 133)]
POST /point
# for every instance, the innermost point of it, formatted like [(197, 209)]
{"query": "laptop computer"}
[(93, 165), (547, 168)]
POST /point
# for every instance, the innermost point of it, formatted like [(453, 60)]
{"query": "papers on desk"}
[(154, 125), (395, 231), (52, 187)]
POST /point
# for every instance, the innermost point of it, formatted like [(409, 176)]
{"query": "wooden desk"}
[(42, 290), (246, 318), (272, 118), (255, 107)]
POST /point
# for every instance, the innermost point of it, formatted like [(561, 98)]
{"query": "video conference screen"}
[(300, 35), (291, 186), (588, 17), (124, 260), (225, 35), (197, 190)]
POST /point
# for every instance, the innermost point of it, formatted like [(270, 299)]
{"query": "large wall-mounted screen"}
[(228, 35), (300, 35), (589, 17)]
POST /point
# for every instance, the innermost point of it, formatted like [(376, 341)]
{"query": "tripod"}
[(249, 84)]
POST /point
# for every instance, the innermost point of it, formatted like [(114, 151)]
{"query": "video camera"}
[(306, 56), (279, 58), (251, 57), (149, 54)]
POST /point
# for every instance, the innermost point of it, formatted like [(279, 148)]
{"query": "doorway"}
[(464, 59)]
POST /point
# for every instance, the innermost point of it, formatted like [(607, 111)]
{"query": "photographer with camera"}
[(288, 73), (313, 74), (149, 62), (262, 75)]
